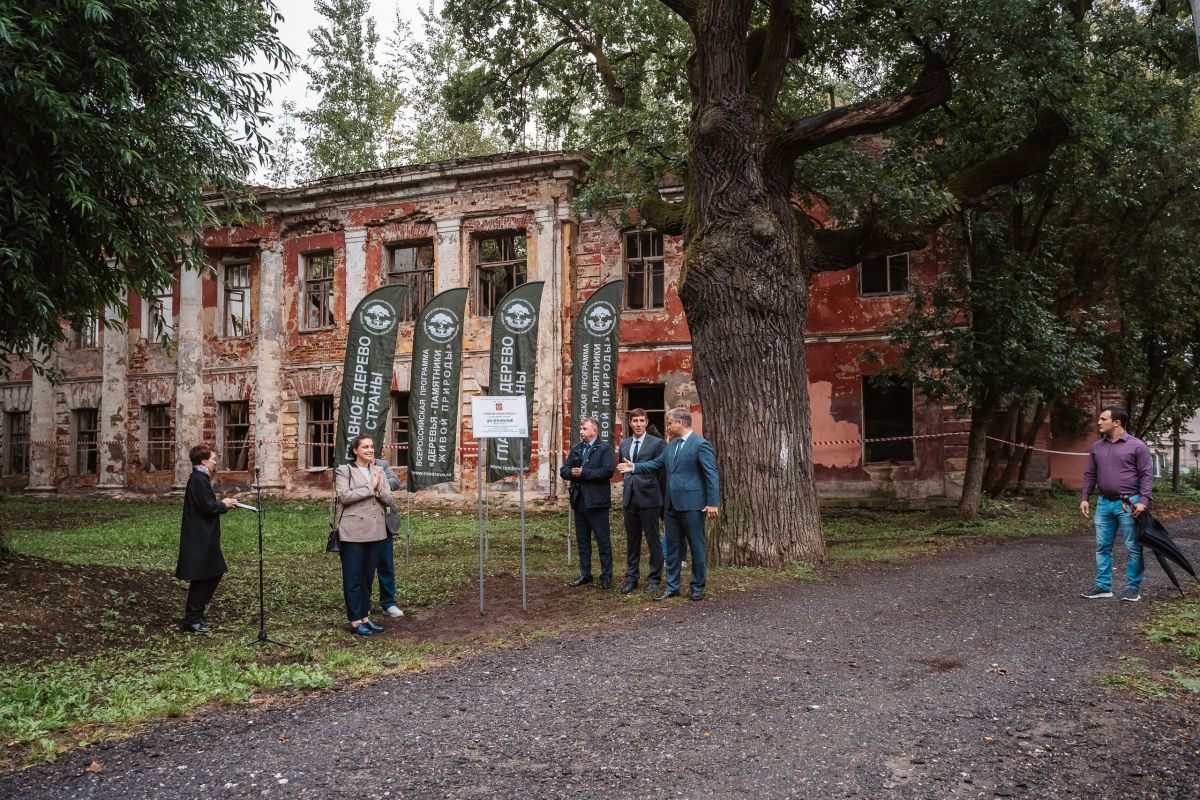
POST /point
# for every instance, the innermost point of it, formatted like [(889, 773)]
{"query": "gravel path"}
[(973, 674)]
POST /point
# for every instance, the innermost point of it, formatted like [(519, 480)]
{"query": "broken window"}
[(318, 291), (160, 438), (160, 314), (237, 300), (500, 265), (887, 412), (235, 433), (643, 270), (412, 266), (86, 335), (318, 427), (85, 424), (884, 274), (651, 398), (399, 428), (16, 436)]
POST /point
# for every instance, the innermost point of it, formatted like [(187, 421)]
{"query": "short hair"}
[(357, 440), (680, 415), (637, 412), (595, 423), (199, 453), (1118, 414)]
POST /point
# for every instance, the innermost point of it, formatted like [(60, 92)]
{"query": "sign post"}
[(493, 418)]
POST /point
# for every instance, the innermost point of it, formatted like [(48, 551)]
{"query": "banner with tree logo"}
[(513, 364), (367, 371), (433, 391), (594, 357)]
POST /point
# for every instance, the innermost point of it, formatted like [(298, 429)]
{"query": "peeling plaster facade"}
[(356, 218)]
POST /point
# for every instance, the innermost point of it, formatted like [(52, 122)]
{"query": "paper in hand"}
[(243, 505)]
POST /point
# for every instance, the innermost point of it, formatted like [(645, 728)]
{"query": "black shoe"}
[(697, 594), (667, 594), (628, 586), (379, 628), (580, 581), (195, 627), (652, 587), (606, 583)]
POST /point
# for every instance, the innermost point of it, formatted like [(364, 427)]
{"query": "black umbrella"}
[(1152, 534)]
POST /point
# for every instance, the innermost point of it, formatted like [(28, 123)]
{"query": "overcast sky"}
[(299, 18)]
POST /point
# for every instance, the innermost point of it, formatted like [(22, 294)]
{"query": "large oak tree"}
[(756, 107)]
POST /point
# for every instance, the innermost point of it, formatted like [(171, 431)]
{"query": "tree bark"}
[(968, 504), (744, 289)]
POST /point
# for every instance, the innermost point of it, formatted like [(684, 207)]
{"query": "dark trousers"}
[(587, 522), (387, 575), (639, 521), (358, 576), (199, 593), (686, 526)]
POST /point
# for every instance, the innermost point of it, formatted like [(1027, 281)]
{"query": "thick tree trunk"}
[(1010, 454), (968, 504), (745, 292)]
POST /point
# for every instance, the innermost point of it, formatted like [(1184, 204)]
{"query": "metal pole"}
[(408, 530), (479, 459), (570, 527), (521, 501)]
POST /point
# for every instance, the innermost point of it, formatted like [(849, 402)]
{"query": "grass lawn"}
[(88, 647)]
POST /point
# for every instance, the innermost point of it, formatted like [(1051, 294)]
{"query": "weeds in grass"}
[(1135, 676)]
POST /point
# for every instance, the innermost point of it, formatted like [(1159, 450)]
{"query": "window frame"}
[(655, 416), (309, 285), (397, 419), (162, 324), (87, 336), (227, 290), (887, 274), (420, 281), (86, 458), (18, 448), (234, 448), (518, 276), (158, 452), (652, 268), (317, 454)]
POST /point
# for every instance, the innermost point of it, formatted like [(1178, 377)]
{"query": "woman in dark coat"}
[(200, 558)]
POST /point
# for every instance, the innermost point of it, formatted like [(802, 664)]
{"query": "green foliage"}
[(118, 117), (351, 128)]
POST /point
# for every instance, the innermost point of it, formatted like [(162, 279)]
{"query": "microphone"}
[(257, 469), (577, 460)]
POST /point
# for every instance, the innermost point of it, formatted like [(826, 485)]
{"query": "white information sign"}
[(497, 417)]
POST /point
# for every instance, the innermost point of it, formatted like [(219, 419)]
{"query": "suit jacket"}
[(363, 512), (592, 485), (642, 489), (200, 554), (392, 520), (691, 474)]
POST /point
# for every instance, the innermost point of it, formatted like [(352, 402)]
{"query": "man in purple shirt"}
[(1120, 470)]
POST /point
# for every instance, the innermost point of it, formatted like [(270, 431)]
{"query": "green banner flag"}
[(594, 355), (367, 371), (514, 362), (433, 391)]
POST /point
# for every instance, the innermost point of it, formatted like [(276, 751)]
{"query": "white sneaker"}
[(394, 611)]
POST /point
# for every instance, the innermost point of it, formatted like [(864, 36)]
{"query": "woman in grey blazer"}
[(363, 498)]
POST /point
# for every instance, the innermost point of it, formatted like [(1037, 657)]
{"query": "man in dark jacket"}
[(589, 468), (386, 568), (642, 500), (200, 558)]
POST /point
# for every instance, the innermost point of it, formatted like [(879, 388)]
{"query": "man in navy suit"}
[(693, 494), (642, 500), (589, 468)]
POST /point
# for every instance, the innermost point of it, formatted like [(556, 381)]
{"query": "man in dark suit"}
[(642, 501), (589, 468), (200, 559), (693, 494)]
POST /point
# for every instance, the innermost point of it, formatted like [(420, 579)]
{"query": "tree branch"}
[(768, 49), (686, 9), (931, 89), (666, 218), (1029, 157), (841, 248)]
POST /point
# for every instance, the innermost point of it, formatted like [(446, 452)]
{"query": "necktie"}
[(636, 447)]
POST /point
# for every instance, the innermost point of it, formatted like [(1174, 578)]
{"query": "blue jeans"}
[(358, 576), (1110, 515), (386, 569)]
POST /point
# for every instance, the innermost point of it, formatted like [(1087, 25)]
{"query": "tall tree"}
[(352, 126), (285, 162), (421, 70), (116, 119), (752, 79)]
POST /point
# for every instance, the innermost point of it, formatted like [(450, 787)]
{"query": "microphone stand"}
[(262, 607)]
